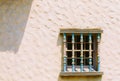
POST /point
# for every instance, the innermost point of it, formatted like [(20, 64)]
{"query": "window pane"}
[(77, 38), (77, 61), (77, 46), (86, 61), (77, 58), (69, 46), (69, 38), (87, 46), (86, 38), (77, 54), (86, 58), (69, 54), (86, 54), (69, 62), (69, 58)]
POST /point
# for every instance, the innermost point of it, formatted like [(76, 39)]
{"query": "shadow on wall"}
[(13, 19), (60, 43)]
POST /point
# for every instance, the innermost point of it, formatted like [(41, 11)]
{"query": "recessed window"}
[(80, 50)]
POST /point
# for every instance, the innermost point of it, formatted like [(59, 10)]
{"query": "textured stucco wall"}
[(30, 44)]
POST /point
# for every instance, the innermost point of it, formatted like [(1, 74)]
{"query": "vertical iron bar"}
[(81, 56), (65, 56), (98, 40), (90, 52), (73, 58)]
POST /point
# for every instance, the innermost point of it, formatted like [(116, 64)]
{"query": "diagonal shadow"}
[(13, 19)]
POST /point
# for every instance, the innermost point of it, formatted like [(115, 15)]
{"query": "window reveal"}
[(81, 51)]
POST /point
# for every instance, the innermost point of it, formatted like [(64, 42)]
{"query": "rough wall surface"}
[(30, 45)]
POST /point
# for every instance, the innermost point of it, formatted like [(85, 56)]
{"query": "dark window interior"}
[(69, 58), (77, 46)]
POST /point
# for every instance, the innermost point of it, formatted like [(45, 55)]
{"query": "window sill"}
[(81, 73)]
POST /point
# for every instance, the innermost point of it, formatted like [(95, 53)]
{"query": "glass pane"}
[(77, 38), (69, 58), (69, 54), (69, 38), (69, 62), (77, 54), (86, 38), (86, 54), (69, 46), (86, 61), (77, 46), (77, 61)]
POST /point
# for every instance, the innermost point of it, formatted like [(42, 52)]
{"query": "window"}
[(80, 50)]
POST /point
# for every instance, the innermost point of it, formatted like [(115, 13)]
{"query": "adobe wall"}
[(30, 44)]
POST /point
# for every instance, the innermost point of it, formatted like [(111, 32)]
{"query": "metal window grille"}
[(81, 52)]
